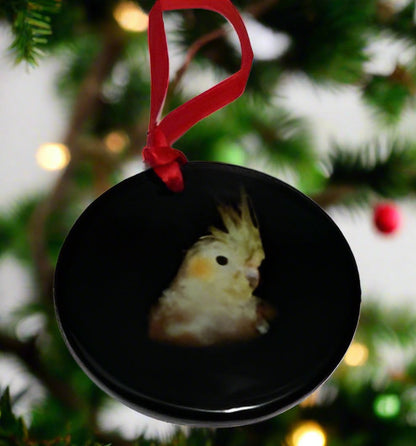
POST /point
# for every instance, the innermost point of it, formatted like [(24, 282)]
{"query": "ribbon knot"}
[(164, 159), (163, 155)]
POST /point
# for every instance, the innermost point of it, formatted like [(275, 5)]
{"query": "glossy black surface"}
[(126, 248)]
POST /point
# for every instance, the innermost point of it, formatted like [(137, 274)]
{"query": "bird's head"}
[(228, 260)]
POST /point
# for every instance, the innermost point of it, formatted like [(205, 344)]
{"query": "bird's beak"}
[(253, 276)]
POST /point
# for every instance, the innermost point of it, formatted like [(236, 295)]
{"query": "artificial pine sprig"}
[(31, 28)]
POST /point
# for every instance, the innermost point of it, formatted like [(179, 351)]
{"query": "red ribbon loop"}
[(158, 152)]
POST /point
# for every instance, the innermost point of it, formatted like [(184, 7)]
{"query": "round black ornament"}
[(123, 267)]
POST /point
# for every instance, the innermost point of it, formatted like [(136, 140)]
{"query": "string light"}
[(387, 405), (53, 156), (308, 433), (356, 355), (116, 141), (131, 17)]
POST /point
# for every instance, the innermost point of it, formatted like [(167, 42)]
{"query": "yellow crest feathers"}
[(240, 229)]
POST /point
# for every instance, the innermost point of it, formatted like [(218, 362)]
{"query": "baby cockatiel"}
[(211, 300)]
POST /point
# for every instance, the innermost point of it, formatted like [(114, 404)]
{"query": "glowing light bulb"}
[(53, 156), (308, 433), (356, 355), (116, 141), (387, 405), (131, 17)]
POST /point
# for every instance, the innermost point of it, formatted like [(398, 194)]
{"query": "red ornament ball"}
[(387, 217)]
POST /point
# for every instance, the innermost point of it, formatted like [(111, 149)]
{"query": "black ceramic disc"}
[(126, 249)]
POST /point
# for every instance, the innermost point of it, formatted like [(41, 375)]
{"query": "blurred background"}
[(329, 108)]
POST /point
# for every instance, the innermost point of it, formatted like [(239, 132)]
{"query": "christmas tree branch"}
[(28, 353), (86, 104), (333, 195), (387, 171)]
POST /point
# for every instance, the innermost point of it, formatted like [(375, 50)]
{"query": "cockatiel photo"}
[(211, 301)]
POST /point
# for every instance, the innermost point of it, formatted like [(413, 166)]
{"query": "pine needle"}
[(31, 24)]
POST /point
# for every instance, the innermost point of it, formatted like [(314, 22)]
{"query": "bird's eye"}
[(221, 260)]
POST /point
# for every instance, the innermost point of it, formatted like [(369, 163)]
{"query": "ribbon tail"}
[(171, 175)]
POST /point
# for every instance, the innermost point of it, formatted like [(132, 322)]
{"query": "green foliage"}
[(16, 224), (388, 96), (76, 61), (264, 77), (31, 26), (6, 231), (14, 227), (398, 328), (125, 104), (400, 23), (125, 94), (12, 428), (245, 131), (13, 431), (328, 38), (388, 171)]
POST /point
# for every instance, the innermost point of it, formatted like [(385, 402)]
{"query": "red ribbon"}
[(158, 153)]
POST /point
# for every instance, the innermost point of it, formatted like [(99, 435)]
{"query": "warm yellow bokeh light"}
[(131, 17), (53, 156), (116, 141), (356, 355), (308, 433), (311, 400)]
